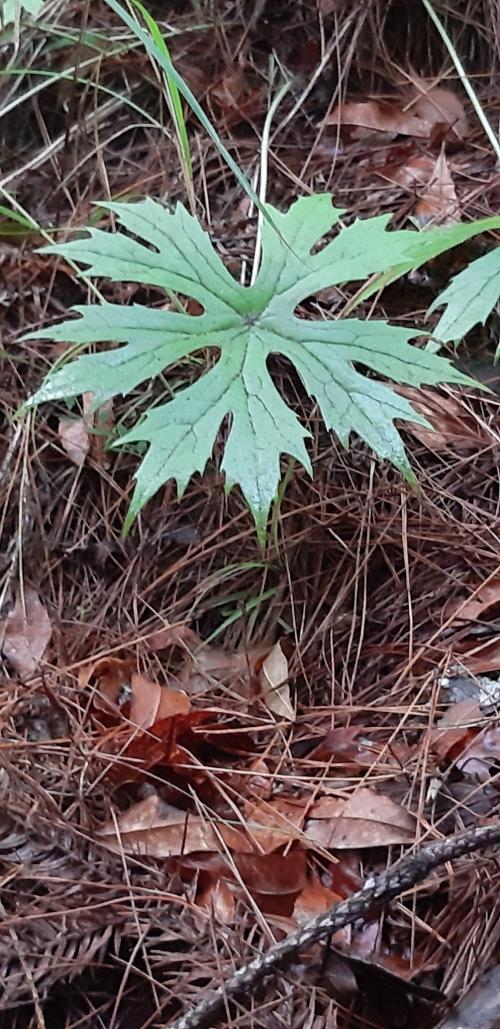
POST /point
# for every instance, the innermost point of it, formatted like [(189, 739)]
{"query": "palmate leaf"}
[(245, 325), (470, 298)]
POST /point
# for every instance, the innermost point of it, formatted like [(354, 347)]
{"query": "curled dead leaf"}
[(25, 633), (74, 437), (273, 680), (218, 901)]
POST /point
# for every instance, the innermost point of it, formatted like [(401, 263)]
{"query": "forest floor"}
[(133, 712)]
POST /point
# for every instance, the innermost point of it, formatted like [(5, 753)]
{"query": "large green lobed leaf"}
[(245, 325), (470, 298)]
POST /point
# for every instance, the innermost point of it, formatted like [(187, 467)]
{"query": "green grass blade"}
[(173, 95), (196, 108)]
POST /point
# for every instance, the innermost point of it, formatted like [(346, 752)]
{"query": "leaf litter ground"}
[(204, 745)]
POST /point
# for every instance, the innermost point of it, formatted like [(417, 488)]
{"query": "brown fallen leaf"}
[(282, 818), (25, 633), (111, 677), (274, 874), (155, 829), (151, 703), (171, 636), (454, 730), (438, 203), (209, 667), (273, 681), (313, 900), (74, 437), (481, 755), (119, 686), (479, 606), (453, 426), (478, 658), (367, 819), (439, 105), (218, 901), (381, 116)]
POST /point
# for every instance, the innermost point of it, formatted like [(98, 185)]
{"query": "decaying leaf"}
[(426, 109), (111, 676), (313, 900), (367, 819), (380, 116), (439, 105), (218, 900), (118, 685), (25, 633), (275, 874), (209, 667), (479, 606), (453, 426), (456, 728), (438, 203), (74, 437), (273, 680), (154, 828), (151, 703)]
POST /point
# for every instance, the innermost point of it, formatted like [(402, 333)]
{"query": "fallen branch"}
[(379, 889)]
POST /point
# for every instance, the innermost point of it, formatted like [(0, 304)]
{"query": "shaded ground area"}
[(234, 822)]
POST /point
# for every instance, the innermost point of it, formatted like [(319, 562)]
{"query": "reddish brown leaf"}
[(25, 633), (367, 819), (111, 678), (481, 754), (217, 899), (313, 900), (159, 745), (150, 702), (171, 636), (455, 730), (273, 873), (156, 829), (485, 597), (479, 658), (350, 746), (282, 819)]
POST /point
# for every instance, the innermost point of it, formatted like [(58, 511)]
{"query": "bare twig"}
[(379, 889)]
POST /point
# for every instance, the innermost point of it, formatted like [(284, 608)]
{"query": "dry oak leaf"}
[(153, 828), (25, 633), (367, 819)]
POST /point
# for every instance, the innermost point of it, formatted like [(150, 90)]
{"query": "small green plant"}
[(245, 325), (470, 298)]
